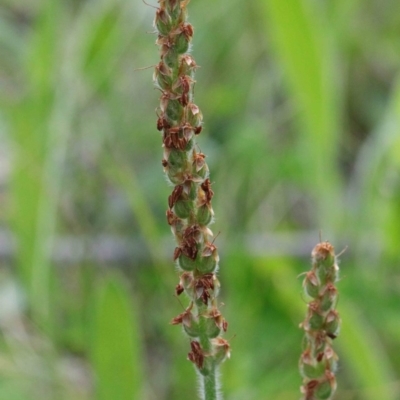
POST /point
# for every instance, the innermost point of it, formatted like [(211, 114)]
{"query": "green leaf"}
[(374, 188), (39, 133), (103, 42), (115, 348), (367, 361), (303, 43)]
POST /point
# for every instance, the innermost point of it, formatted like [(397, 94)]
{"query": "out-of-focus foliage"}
[(301, 103)]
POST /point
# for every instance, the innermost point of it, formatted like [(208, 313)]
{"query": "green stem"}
[(210, 382), (210, 385)]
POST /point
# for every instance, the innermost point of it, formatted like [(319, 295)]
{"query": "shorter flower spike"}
[(318, 361)]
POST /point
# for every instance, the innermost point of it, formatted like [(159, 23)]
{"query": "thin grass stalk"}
[(318, 362), (189, 210)]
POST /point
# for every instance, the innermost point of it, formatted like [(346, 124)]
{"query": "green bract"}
[(313, 371), (183, 208), (207, 264), (186, 263), (182, 43)]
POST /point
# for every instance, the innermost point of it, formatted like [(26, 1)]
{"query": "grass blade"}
[(116, 345)]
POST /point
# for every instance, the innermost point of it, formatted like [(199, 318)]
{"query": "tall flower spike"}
[(189, 210), (318, 361)]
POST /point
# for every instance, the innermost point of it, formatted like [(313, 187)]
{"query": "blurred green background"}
[(301, 103)]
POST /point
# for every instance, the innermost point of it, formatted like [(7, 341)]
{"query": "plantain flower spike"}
[(189, 212), (318, 362)]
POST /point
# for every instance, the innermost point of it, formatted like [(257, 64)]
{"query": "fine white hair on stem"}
[(200, 385)]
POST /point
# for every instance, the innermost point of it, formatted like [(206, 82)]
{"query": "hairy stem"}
[(211, 387)]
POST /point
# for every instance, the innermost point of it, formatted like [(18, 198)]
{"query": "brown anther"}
[(162, 15), (196, 356), (163, 69), (320, 339), (219, 320), (164, 163), (194, 109), (198, 129), (331, 289), (185, 82), (175, 195), (313, 306), (187, 30), (322, 251), (174, 137), (166, 124), (189, 61), (220, 342), (184, 99), (171, 217), (189, 248), (160, 124), (168, 142), (206, 186), (311, 277), (203, 286), (188, 182), (225, 325), (192, 231), (179, 289), (182, 85), (182, 144), (177, 253), (164, 99), (214, 313), (205, 296), (209, 249), (208, 280), (309, 389), (187, 130), (165, 44), (183, 318), (198, 161), (223, 344), (306, 356)]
